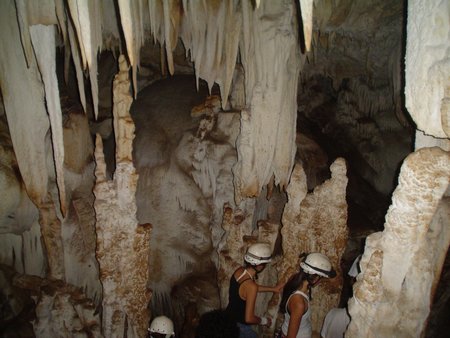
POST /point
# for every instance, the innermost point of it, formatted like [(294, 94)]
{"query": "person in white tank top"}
[(295, 301)]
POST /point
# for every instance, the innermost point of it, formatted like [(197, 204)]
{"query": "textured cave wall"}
[(398, 269), (427, 84), (184, 151)]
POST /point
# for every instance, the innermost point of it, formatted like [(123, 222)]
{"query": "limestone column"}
[(122, 244)]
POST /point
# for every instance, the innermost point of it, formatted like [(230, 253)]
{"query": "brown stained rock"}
[(51, 234), (61, 308), (211, 105), (237, 227), (78, 145)]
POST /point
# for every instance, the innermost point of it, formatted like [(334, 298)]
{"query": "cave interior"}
[(146, 144)]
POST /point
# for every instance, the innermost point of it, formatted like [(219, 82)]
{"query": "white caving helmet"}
[(163, 325), (258, 253), (318, 264)]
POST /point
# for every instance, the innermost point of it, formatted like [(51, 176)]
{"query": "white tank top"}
[(305, 329)]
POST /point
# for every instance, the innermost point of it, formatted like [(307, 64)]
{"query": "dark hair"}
[(217, 324), (292, 284)]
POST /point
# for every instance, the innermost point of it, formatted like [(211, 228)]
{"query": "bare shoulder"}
[(297, 304), (238, 272)]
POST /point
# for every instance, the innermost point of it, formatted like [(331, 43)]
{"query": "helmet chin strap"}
[(312, 283), (255, 277)]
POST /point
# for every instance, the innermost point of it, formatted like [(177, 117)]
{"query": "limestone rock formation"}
[(122, 244), (311, 222), (399, 264), (427, 89)]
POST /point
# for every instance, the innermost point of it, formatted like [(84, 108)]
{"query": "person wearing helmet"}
[(296, 295), (243, 290), (161, 327)]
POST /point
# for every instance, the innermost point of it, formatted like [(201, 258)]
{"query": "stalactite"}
[(266, 145), (24, 105), (74, 49), (306, 7), (426, 66), (88, 28), (61, 16), (110, 27), (211, 33), (43, 39), (34, 256), (22, 19), (171, 22), (134, 36)]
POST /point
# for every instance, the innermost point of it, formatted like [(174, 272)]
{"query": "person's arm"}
[(296, 310), (251, 290), (277, 288)]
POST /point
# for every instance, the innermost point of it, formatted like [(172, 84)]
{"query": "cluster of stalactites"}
[(214, 34)]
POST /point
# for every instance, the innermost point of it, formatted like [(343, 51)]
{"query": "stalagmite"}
[(315, 222), (122, 244), (400, 264)]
